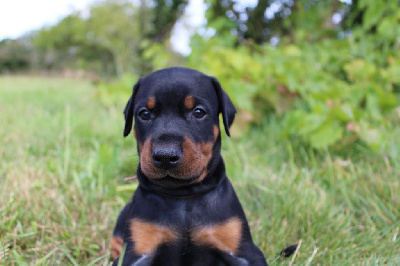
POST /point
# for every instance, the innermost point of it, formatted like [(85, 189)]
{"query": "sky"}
[(18, 17), (21, 16)]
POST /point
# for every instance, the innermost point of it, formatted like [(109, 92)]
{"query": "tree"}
[(272, 19), (115, 35), (333, 82), (165, 15), (14, 56)]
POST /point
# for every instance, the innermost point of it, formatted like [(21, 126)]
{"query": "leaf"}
[(309, 123), (374, 12), (372, 136), (327, 134), (389, 28), (292, 50), (360, 70), (342, 113), (373, 106), (393, 71), (241, 93)]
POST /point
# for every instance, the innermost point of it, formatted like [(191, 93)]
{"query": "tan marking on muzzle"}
[(146, 162), (194, 162), (195, 159), (215, 132)]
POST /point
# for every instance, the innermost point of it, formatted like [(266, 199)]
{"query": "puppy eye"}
[(199, 113), (144, 114)]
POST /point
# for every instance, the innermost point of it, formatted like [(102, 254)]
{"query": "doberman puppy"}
[(184, 211)]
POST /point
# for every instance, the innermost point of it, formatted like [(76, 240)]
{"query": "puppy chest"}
[(149, 237)]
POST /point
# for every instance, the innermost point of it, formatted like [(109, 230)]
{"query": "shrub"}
[(329, 93)]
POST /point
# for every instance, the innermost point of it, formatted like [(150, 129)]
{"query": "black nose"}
[(166, 157)]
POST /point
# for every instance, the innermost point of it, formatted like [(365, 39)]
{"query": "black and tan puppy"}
[(184, 211)]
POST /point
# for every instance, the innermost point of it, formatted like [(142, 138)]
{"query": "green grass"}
[(63, 160)]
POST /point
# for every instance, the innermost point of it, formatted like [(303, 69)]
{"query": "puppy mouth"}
[(172, 174), (191, 167), (173, 182)]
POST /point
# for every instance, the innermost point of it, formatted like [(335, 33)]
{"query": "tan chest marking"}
[(148, 236), (225, 236)]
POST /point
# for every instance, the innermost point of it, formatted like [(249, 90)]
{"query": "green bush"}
[(332, 93), (328, 93), (116, 92)]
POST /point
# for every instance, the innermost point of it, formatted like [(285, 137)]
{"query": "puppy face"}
[(176, 125)]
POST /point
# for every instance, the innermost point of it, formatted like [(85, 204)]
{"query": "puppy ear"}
[(226, 106), (128, 112)]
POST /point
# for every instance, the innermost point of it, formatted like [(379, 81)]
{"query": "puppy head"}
[(176, 124)]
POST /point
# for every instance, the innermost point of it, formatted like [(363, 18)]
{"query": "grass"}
[(63, 160)]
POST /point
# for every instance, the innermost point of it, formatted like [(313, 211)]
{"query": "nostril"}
[(157, 157), (174, 158)]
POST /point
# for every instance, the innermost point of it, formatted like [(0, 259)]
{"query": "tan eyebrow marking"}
[(151, 103), (189, 102)]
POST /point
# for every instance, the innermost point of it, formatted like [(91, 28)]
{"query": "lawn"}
[(63, 160)]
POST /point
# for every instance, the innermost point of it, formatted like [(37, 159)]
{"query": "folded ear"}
[(226, 106), (128, 112)]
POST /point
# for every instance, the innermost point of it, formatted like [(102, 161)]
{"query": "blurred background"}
[(338, 59), (315, 150)]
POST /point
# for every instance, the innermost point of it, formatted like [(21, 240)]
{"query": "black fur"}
[(287, 252), (183, 203)]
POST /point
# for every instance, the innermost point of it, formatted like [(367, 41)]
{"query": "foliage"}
[(331, 91), (68, 45), (110, 39), (166, 13), (328, 94), (105, 37), (14, 55), (115, 92), (265, 20), (335, 84)]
